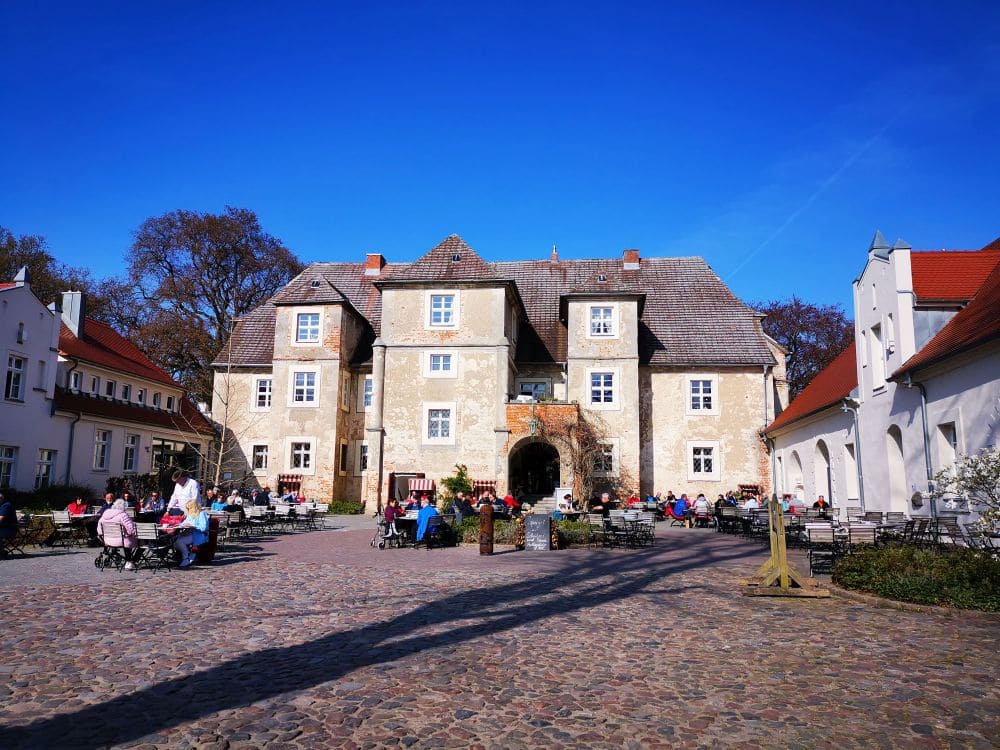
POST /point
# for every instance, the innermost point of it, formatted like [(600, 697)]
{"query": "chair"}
[(154, 547), (647, 528), (320, 511), (440, 531), (595, 522), (257, 519), (861, 536), (676, 520), (704, 518), (823, 549), (873, 516), (66, 532), (949, 529), (895, 516), (855, 513), (113, 553)]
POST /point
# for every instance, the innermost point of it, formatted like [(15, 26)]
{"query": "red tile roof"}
[(975, 324), (7, 285), (951, 275), (101, 345), (834, 383), (189, 419)]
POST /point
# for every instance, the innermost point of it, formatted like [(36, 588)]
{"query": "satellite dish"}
[(917, 500)]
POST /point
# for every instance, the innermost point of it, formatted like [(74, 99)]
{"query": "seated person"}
[(462, 508), (752, 503), (130, 501), (513, 506), (701, 505), (217, 503), (821, 504), (412, 502), (786, 504), (427, 511), (668, 502), (153, 504), (191, 532), (391, 513), (118, 514), (681, 506), (235, 505), (77, 507), (8, 522)]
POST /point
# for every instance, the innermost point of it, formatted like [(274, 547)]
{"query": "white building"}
[(82, 404), (920, 385)]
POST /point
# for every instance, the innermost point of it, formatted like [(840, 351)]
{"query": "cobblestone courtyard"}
[(317, 640)]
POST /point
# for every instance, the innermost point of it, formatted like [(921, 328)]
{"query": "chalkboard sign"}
[(537, 534)]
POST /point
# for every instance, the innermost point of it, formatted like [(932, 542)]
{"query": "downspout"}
[(69, 449), (847, 406), (911, 383)]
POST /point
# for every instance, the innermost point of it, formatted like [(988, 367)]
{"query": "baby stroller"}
[(385, 535)]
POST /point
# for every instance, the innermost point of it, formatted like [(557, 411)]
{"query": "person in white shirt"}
[(185, 488), (751, 504)]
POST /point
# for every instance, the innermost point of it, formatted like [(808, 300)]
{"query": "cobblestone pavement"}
[(316, 640)]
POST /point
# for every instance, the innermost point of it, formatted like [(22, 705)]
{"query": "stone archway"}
[(534, 468)]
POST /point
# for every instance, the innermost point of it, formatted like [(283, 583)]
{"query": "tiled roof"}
[(951, 275), (101, 345), (314, 288), (833, 383), (189, 420), (690, 317), (451, 260), (975, 324), (7, 285)]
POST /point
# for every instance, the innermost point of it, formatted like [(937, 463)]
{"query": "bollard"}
[(486, 530)]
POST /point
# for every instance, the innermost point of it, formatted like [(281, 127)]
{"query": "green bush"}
[(573, 533), (468, 531), (960, 577), (345, 508), (54, 497)]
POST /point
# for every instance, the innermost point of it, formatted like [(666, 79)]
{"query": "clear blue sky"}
[(770, 138)]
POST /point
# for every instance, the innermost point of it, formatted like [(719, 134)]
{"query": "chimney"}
[(555, 255), (631, 260), (373, 264), (74, 310)]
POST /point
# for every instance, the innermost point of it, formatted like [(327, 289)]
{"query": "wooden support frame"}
[(777, 576)]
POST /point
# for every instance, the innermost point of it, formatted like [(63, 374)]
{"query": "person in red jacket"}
[(77, 507)]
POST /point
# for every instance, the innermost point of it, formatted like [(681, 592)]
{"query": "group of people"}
[(393, 513), (184, 511)]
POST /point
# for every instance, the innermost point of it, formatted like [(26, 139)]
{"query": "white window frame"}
[(15, 376), (75, 380), (95, 385), (715, 447), (343, 457), (366, 388), (427, 361), (257, 393), (254, 453), (140, 396), (610, 322), (45, 468), (41, 385), (345, 392), (315, 334), (157, 400), (170, 403), (546, 383), (102, 439), (689, 381), (130, 457), (313, 452), (360, 451), (110, 389), (126, 392), (609, 448), (8, 466), (615, 403), (877, 358), (429, 297), (309, 370), (426, 408)]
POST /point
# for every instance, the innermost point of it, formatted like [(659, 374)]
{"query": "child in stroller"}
[(387, 535)]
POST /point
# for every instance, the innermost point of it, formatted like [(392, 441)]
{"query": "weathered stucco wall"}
[(670, 428)]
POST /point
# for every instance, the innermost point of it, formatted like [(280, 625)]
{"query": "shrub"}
[(345, 507), (961, 577), (573, 533), (54, 497), (504, 532)]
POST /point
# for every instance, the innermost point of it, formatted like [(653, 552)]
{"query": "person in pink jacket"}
[(118, 514)]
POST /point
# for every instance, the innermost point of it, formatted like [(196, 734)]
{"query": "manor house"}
[(356, 376)]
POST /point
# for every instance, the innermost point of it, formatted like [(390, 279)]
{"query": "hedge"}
[(960, 577)]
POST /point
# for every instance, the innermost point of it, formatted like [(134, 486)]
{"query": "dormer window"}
[(602, 321), (442, 310), (456, 258), (602, 277), (315, 283), (307, 328), (156, 400)]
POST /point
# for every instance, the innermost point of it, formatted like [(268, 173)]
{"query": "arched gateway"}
[(534, 467)]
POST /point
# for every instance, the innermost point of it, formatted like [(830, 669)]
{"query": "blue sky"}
[(770, 138)]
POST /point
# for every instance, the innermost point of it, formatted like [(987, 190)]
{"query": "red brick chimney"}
[(373, 264), (631, 260)]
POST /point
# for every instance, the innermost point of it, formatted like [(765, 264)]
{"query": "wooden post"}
[(777, 577), (486, 530)]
